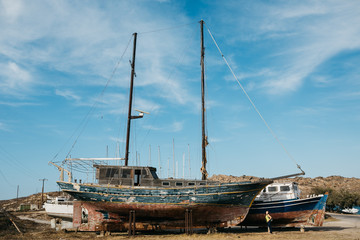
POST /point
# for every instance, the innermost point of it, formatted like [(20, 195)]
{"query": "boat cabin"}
[(140, 176), (279, 192)]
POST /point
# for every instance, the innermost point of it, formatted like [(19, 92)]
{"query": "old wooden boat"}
[(287, 209), (122, 194)]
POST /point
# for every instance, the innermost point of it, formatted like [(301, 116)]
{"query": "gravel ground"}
[(339, 227)]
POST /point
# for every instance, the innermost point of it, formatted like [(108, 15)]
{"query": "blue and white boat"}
[(287, 209)]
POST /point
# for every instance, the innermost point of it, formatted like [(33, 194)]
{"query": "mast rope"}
[(86, 119), (168, 28), (252, 103)]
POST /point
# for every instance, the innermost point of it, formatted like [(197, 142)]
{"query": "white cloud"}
[(11, 9), (323, 32), (295, 37), (14, 79), (67, 94), (176, 126), (85, 39), (117, 139)]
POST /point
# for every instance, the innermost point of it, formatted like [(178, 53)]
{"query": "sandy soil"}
[(339, 227)]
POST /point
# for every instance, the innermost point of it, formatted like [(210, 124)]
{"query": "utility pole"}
[(17, 192), (42, 191)]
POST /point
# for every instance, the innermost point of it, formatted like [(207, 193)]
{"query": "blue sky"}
[(297, 60)]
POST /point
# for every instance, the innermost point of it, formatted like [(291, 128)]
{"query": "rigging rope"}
[(86, 119), (168, 28), (252, 103)]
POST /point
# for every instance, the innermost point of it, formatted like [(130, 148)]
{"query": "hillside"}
[(337, 183), (14, 204)]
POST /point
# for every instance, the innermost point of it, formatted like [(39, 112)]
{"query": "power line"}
[(81, 127), (168, 28)]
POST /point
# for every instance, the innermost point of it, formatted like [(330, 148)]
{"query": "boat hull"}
[(64, 211), (289, 213), (210, 205)]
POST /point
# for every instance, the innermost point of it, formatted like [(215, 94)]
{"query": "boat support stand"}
[(188, 222)]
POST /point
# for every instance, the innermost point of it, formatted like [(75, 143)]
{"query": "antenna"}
[(159, 162), (177, 169), (174, 156), (149, 155), (168, 165), (183, 165), (189, 161)]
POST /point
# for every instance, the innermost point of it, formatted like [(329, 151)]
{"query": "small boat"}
[(59, 207), (283, 202), (350, 210), (122, 192)]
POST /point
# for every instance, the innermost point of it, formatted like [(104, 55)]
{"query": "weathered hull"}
[(223, 204), (289, 213)]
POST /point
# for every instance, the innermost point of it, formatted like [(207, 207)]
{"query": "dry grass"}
[(324, 233)]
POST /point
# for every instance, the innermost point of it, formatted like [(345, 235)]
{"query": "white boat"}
[(60, 207), (350, 210)]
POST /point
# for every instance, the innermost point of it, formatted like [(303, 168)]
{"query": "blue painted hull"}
[(295, 212), (210, 204)]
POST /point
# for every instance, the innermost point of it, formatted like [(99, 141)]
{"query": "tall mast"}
[(204, 138), (130, 102)]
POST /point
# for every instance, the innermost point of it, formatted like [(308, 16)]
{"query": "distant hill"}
[(337, 183), (14, 204)]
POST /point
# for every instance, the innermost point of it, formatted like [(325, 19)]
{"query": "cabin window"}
[(144, 173), (272, 189), (137, 177), (126, 173), (153, 173), (110, 172), (179, 184), (191, 184), (264, 190), (165, 183), (202, 183), (284, 188)]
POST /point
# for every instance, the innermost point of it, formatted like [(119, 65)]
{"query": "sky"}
[(65, 72)]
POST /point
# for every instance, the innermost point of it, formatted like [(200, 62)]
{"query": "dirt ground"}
[(338, 227)]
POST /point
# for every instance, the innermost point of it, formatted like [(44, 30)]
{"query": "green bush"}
[(338, 199)]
